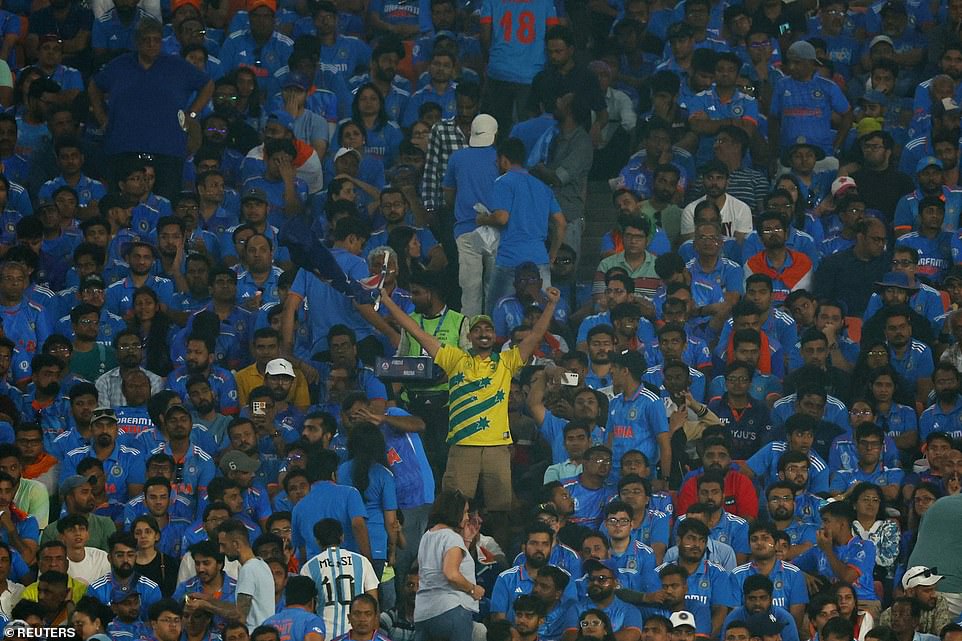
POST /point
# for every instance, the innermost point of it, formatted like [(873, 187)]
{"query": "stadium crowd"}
[(306, 332)]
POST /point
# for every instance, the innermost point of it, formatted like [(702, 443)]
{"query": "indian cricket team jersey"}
[(478, 395), (517, 44)]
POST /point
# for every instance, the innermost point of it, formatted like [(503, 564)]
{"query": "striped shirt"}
[(340, 575)]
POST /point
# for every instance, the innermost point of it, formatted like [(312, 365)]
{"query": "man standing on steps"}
[(478, 433)]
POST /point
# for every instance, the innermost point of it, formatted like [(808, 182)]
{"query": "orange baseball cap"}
[(177, 4), (256, 4)]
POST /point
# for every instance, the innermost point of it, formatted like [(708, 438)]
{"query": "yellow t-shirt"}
[(478, 391)]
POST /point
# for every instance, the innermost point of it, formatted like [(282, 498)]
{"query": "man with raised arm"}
[(479, 381)]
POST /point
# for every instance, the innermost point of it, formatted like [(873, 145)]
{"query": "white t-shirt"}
[(736, 216), (255, 579), (95, 565)]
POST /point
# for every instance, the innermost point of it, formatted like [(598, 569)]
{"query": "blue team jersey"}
[(325, 500), (764, 463), (805, 109), (835, 411), (530, 203), (221, 383), (407, 460), (589, 504), (294, 624), (148, 590), (561, 556), (882, 475), (123, 467), (907, 211), (517, 51), (27, 325), (637, 560), (936, 419), (379, 497), (711, 586), (637, 419), (656, 377), (732, 530), (552, 431), (710, 105), (857, 553), (623, 616), (914, 365), (788, 580), (241, 49), (119, 299)]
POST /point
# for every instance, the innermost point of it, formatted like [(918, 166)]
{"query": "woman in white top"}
[(447, 596)]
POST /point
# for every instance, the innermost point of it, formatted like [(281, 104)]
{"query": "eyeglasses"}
[(773, 230), (563, 261), (279, 531), (902, 262), (217, 130), (591, 623), (878, 353), (599, 578), (761, 44), (127, 348), (612, 520), (860, 412), (601, 461), (737, 379), (87, 321)]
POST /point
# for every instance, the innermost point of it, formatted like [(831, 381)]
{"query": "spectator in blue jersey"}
[(724, 526), (588, 490), (785, 582), (122, 578), (840, 555), (602, 582), (528, 214), (297, 620), (515, 42), (637, 415), (439, 90), (800, 437), (945, 415), (721, 106), (328, 500), (708, 583), (538, 540), (757, 599), (804, 102)]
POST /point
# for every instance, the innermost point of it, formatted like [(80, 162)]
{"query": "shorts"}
[(486, 465)]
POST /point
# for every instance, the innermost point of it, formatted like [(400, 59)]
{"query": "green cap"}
[(480, 318)]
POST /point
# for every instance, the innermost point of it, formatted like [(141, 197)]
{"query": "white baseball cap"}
[(483, 130), (920, 575), (682, 617), (280, 367), (343, 151), (842, 183)]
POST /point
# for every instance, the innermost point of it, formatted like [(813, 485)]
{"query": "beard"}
[(105, 440), (124, 570), (204, 407), (947, 395), (50, 389), (537, 561)]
